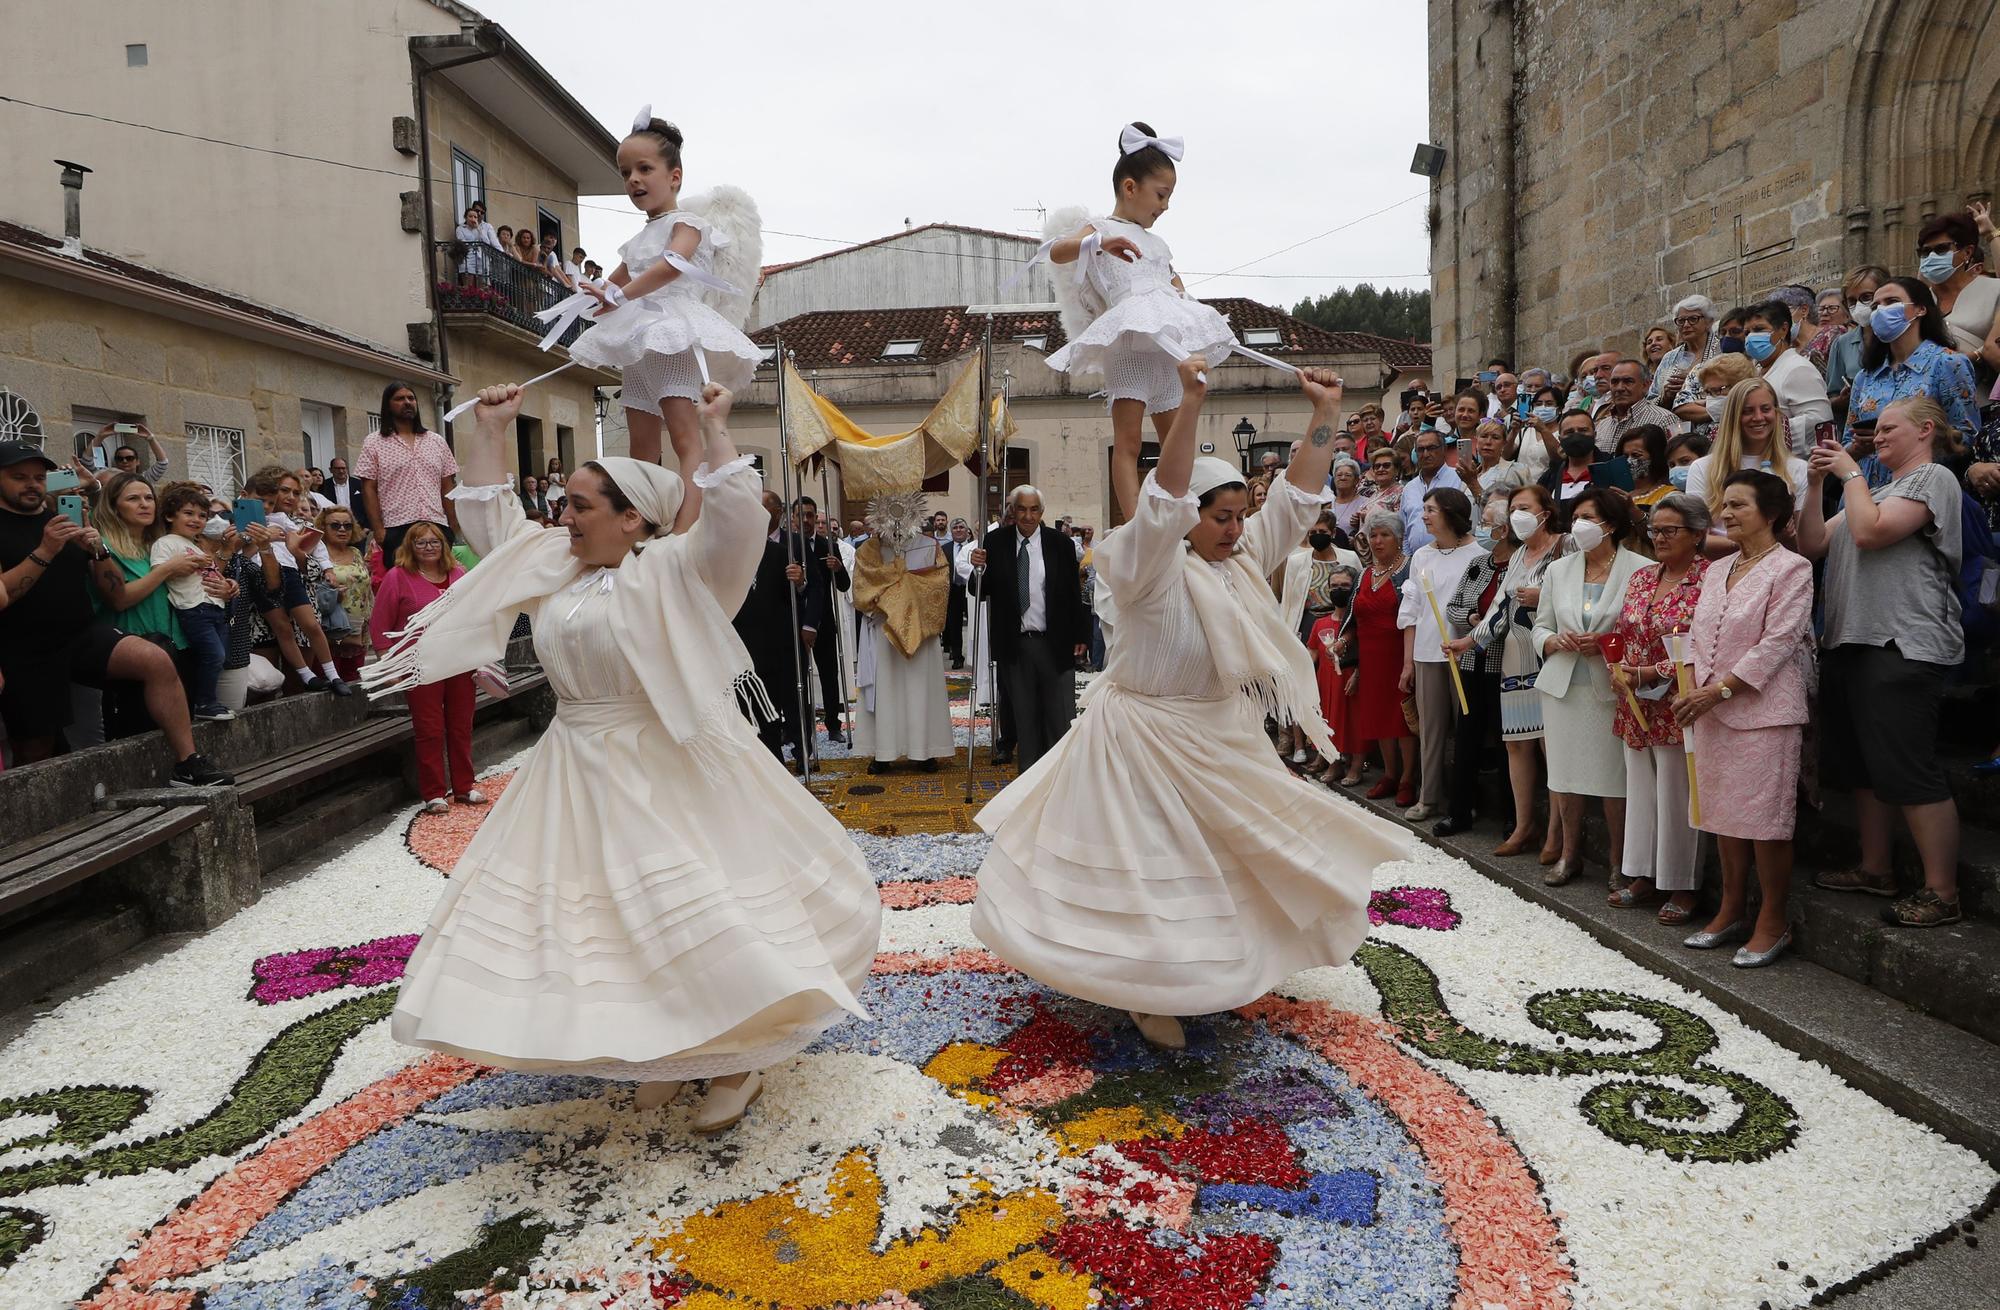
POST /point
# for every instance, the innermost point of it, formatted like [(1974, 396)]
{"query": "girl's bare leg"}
[(684, 431)]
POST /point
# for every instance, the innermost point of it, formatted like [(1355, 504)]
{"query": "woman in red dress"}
[(1376, 712), (1334, 652)]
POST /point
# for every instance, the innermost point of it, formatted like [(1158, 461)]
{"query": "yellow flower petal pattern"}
[(773, 1251)]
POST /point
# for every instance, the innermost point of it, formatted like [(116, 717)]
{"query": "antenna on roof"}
[(1039, 210)]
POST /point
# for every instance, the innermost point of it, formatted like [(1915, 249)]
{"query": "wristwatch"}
[(1725, 689)]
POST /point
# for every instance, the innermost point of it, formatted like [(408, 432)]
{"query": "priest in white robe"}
[(901, 592)]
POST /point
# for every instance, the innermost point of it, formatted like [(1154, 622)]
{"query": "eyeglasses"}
[(1664, 530), (340, 527), (1940, 248), (1688, 320)]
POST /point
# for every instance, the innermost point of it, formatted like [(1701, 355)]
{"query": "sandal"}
[(1675, 915), (1922, 908), (1858, 880), (1630, 897)]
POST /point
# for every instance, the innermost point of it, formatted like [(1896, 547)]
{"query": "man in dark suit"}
[(346, 493), (1040, 626), (821, 573), (765, 624)]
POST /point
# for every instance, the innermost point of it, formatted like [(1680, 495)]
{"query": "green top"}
[(463, 554), (151, 617)]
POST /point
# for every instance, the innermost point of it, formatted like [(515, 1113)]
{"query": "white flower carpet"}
[(1488, 1109)]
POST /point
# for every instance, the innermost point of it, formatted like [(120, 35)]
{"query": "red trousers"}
[(442, 715)]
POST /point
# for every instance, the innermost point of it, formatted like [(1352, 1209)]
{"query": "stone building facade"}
[(1606, 160)]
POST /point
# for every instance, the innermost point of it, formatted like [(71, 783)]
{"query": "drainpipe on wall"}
[(442, 395)]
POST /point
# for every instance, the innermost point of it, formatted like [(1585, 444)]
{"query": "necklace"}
[(1743, 562)]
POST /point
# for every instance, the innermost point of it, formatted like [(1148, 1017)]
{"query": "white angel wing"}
[(1081, 303), (738, 242)]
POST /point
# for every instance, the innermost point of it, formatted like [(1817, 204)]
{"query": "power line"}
[(769, 231)]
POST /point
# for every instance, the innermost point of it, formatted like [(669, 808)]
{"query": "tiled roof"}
[(841, 338), (836, 338), (1029, 241), (29, 238)]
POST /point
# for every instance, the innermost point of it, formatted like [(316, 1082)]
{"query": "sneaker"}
[(1857, 880), (473, 797), (439, 805), (1419, 812), (334, 685), (196, 771), (1922, 908), (214, 713)]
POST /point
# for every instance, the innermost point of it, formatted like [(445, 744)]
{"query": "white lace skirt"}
[(1161, 859), (1158, 321), (614, 916), (669, 325)]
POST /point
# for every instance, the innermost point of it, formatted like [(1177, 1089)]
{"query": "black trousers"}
[(832, 693), (954, 625), (1040, 690), (1475, 738)]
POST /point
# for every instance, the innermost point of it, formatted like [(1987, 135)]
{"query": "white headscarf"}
[(1210, 473), (653, 491)]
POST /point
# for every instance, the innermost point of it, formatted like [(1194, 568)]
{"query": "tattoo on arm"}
[(1322, 435)]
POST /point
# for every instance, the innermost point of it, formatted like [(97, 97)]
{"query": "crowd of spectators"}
[(493, 257), (1656, 568), (130, 602)]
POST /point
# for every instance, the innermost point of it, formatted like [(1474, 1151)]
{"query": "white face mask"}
[(1524, 522), (1715, 404), (1587, 533), (1859, 312)]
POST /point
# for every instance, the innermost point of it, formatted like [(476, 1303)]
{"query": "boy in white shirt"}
[(204, 618), (286, 604)]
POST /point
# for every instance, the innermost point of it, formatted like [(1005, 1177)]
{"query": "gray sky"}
[(845, 119)]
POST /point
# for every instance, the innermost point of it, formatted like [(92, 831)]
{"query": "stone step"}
[(1830, 839), (335, 810), (60, 942), (1952, 973)]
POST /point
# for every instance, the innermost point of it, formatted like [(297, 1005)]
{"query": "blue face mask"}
[(1545, 413), (1483, 535), (1938, 266), (1588, 384), (1679, 477), (1758, 346), (1889, 321)]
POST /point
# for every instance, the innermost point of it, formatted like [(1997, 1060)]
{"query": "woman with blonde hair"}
[(350, 578), (440, 710), (130, 590), (1750, 434)]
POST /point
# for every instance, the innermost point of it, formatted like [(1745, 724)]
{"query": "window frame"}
[(463, 201), (915, 351), (1261, 337)]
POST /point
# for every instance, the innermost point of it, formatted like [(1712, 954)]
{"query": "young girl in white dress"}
[(1141, 321), (1161, 859), (654, 324), (615, 916)]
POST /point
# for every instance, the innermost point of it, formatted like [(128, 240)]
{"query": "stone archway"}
[(1921, 135)]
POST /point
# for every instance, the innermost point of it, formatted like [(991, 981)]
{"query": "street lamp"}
[(1245, 432)]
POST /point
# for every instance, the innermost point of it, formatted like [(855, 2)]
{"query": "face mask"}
[(1578, 444), (1339, 597), (1320, 540), (1758, 346), (1679, 477), (1483, 535), (1641, 465), (1524, 522), (1889, 321), (1859, 311), (1714, 405), (1938, 266), (1588, 386), (1545, 413), (1732, 345), (1587, 533)]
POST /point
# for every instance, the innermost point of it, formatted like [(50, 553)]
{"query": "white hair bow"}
[(642, 119), (1132, 139)]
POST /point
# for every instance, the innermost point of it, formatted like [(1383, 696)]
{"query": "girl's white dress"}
[(615, 915), (653, 338), (1161, 858), (1149, 325)]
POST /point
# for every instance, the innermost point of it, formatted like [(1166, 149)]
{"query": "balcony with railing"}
[(472, 277)]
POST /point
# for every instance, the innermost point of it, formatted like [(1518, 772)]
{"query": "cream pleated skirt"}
[(1161, 859), (621, 915)]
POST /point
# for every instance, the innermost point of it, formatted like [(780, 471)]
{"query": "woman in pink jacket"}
[(441, 711), (1751, 644)]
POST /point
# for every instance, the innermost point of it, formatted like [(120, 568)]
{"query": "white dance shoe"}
[(724, 1106), (651, 1096), (1161, 1030)]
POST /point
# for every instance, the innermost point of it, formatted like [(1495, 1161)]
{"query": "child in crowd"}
[(283, 600), (204, 617)]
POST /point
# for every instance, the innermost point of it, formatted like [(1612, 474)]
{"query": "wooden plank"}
[(158, 825), (273, 776), (25, 857)]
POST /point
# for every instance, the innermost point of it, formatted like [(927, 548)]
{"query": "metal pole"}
[(979, 526), (789, 535)]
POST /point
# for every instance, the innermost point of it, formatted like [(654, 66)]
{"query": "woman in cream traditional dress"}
[(614, 917), (1160, 859)]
